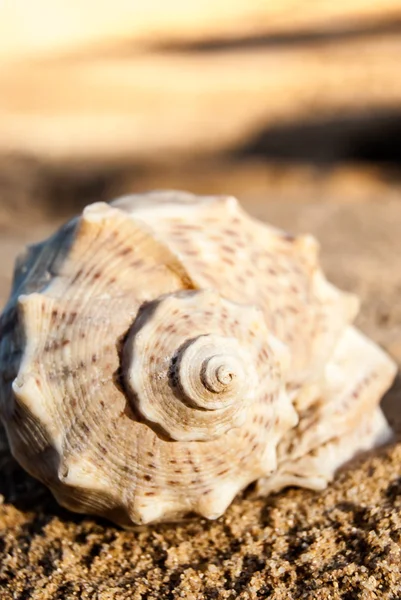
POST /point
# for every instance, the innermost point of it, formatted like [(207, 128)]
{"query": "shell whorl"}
[(211, 372), (189, 365)]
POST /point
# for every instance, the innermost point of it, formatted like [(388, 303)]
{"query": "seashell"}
[(161, 353)]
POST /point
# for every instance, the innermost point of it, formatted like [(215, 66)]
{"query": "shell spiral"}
[(203, 376), (151, 351)]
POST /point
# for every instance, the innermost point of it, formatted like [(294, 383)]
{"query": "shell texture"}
[(160, 353)]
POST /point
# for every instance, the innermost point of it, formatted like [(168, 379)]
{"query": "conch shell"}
[(161, 353)]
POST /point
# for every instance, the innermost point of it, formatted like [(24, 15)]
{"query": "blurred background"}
[(294, 106)]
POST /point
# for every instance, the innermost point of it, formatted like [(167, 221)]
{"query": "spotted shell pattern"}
[(160, 353)]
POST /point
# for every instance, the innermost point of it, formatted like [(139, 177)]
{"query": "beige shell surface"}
[(160, 353)]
